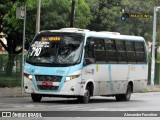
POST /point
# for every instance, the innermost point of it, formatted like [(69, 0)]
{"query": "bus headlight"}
[(71, 77), (28, 76)]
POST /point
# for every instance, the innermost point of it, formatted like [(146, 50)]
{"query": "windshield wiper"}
[(38, 64), (49, 64)]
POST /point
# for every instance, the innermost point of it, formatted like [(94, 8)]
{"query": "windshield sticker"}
[(40, 44), (35, 51), (37, 47)]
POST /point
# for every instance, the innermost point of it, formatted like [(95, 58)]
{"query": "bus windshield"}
[(55, 50)]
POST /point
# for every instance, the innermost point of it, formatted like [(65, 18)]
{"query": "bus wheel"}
[(36, 97), (86, 97), (126, 96)]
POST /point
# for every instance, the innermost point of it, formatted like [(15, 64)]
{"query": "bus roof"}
[(100, 34), (114, 36)]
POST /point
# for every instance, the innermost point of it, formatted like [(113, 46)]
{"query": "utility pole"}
[(23, 46), (153, 45), (38, 16), (72, 13)]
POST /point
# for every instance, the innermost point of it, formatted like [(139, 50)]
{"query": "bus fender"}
[(132, 84), (85, 85)]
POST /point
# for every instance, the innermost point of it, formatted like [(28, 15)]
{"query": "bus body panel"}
[(111, 79), (138, 73)]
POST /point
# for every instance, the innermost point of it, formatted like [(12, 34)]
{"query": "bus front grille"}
[(48, 78), (50, 82)]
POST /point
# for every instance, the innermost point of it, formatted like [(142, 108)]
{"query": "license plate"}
[(47, 84)]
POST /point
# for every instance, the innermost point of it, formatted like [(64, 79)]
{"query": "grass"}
[(10, 82), (155, 88), (144, 90)]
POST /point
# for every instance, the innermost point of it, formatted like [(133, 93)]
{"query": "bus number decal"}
[(36, 51)]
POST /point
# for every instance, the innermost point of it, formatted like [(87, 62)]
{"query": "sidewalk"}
[(16, 92), (12, 92)]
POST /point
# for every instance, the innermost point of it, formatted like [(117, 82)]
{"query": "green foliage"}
[(3, 61), (56, 14), (106, 16), (144, 90), (158, 58), (11, 24), (150, 57), (10, 82), (82, 14), (139, 26), (15, 78)]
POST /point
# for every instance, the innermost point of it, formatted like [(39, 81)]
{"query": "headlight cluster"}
[(71, 77), (28, 76)]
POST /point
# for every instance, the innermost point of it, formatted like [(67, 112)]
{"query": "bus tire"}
[(36, 97), (86, 97), (126, 96)]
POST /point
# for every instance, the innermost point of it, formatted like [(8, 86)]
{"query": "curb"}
[(12, 92)]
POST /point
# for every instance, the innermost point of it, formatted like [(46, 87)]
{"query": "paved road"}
[(138, 102)]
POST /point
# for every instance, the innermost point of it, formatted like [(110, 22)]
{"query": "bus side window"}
[(99, 50), (131, 54), (121, 51), (111, 51), (89, 52), (140, 52)]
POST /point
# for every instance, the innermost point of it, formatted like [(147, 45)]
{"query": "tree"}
[(142, 27), (57, 15), (13, 29), (106, 16), (54, 15)]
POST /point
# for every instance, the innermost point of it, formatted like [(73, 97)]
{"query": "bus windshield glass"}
[(55, 50)]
